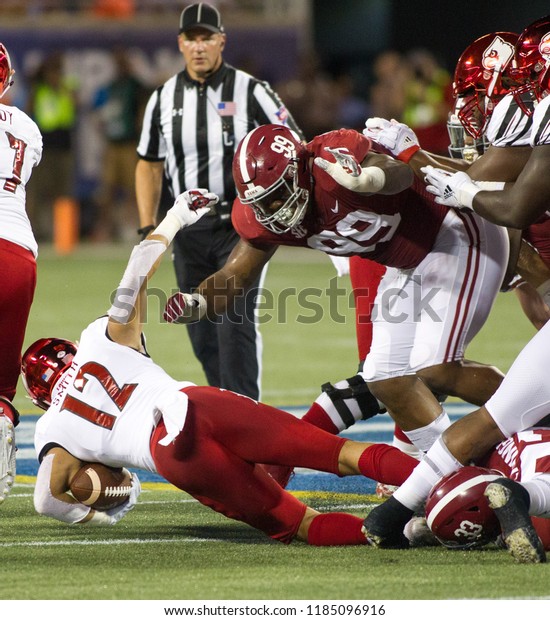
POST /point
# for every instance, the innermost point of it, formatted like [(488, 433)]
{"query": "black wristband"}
[(145, 230)]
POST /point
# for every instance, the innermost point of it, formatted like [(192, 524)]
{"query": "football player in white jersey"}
[(523, 398), (108, 402), (20, 151)]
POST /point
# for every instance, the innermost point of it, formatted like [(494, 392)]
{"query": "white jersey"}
[(509, 125), (540, 136), (105, 407), (20, 151), (524, 456)]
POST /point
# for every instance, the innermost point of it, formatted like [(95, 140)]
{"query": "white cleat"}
[(7, 457)]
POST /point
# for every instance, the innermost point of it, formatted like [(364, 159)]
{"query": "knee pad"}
[(357, 390)]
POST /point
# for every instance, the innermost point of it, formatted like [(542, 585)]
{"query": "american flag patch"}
[(227, 108), (282, 115)]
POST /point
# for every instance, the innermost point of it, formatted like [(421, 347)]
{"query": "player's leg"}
[(18, 277), (464, 272), (521, 401), (209, 471)]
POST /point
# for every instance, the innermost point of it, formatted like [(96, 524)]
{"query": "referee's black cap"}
[(201, 15)]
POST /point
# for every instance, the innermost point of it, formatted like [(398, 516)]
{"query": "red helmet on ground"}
[(458, 513), (478, 84), (271, 165), (43, 363), (533, 61), (6, 72)]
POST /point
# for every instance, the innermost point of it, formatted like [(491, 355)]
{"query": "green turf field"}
[(171, 548)]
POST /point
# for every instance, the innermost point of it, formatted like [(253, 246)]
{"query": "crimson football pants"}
[(18, 282), (215, 458)]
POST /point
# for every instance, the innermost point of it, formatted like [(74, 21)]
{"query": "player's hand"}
[(348, 173), (184, 308), (193, 204), (121, 511), (397, 138), (450, 189)]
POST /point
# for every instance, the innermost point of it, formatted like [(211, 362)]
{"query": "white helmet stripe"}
[(444, 501), (243, 159)]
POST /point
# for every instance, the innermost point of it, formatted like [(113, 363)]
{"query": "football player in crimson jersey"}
[(108, 402), (457, 499), (20, 151), (523, 398), (443, 271), (488, 116)]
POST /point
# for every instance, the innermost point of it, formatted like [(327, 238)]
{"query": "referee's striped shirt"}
[(196, 128)]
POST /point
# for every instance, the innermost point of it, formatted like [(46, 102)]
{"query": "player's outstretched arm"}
[(215, 294), (125, 314)]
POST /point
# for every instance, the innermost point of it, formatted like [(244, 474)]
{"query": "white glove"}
[(397, 138), (184, 308), (190, 206), (348, 173), (121, 511), (450, 189)]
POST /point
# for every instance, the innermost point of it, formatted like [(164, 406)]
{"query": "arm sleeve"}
[(48, 505)]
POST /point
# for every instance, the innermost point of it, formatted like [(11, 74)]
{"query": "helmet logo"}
[(284, 146), (544, 48), (498, 54)]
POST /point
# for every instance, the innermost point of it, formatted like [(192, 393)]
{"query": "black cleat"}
[(383, 527), (510, 502)]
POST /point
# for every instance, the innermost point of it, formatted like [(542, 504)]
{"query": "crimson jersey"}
[(397, 231)]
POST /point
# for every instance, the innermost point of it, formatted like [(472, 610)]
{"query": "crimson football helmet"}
[(478, 81), (271, 174), (6, 72), (458, 513), (533, 62), (43, 363)]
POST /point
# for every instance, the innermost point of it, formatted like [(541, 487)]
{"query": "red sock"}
[(336, 528), (319, 418), (399, 434), (386, 464)]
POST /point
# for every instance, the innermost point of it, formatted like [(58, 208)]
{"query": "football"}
[(101, 487)]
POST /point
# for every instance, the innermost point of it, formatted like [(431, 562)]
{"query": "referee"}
[(192, 126)]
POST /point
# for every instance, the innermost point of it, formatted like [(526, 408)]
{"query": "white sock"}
[(423, 438), (407, 448), (539, 494), (437, 462)]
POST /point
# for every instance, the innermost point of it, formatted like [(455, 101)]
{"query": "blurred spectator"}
[(120, 105), (352, 111), (52, 105), (387, 94), (311, 97), (428, 100), (114, 8)]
